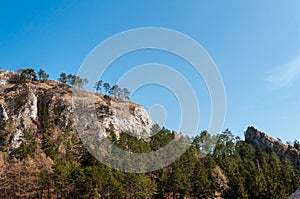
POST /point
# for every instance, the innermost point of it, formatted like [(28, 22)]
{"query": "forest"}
[(233, 169)]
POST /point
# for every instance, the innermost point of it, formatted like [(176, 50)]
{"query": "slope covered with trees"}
[(48, 160), (233, 169)]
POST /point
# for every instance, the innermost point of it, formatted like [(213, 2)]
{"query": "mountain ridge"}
[(41, 154)]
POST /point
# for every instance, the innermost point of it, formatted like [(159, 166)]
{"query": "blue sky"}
[(255, 44)]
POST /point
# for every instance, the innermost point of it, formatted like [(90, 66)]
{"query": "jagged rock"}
[(261, 140), (16, 140)]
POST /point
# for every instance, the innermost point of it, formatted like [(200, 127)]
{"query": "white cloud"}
[(285, 75)]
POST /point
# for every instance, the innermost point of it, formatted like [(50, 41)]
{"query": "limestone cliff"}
[(28, 105)]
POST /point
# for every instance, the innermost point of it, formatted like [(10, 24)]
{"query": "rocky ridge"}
[(261, 140), (27, 105)]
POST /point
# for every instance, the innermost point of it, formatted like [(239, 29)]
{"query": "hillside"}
[(41, 155)]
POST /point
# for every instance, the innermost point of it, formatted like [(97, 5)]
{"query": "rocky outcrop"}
[(30, 108), (123, 119), (39, 105), (4, 77), (3, 114), (16, 140), (221, 180), (261, 140)]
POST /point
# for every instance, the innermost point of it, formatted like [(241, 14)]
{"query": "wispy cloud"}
[(285, 75)]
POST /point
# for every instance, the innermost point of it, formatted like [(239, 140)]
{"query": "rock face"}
[(261, 140), (28, 105), (221, 180), (123, 120), (3, 114), (30, 108), (4, 77), (16, 140)]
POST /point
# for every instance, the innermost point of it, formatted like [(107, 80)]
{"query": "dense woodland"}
[(213, 166), (233, 169)]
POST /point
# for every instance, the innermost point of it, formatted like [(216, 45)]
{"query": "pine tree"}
[(98, 86), (106, 87), (42, 75), (63, 78)]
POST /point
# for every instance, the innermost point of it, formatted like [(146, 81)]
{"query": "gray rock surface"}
[(50, 99), (295, 195), (261, 140)]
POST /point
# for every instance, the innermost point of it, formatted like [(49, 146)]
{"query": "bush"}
[(107, 99), (27, 147), (16, 79)]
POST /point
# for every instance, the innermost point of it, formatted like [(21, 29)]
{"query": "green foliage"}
[(28, 73), (79, 82), (106, 87), (50, 147), (19, 100), (245, 172), (27, 147), (212, 165), (115, 90), (297, 144), (98, 86), (125, 94), (2, 125), (43, 111), (59, 119), (161, 139), (63, 78), (42, 75), (202, 182), (73, 80), (139, 186), (17, 79), (68, 177)]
